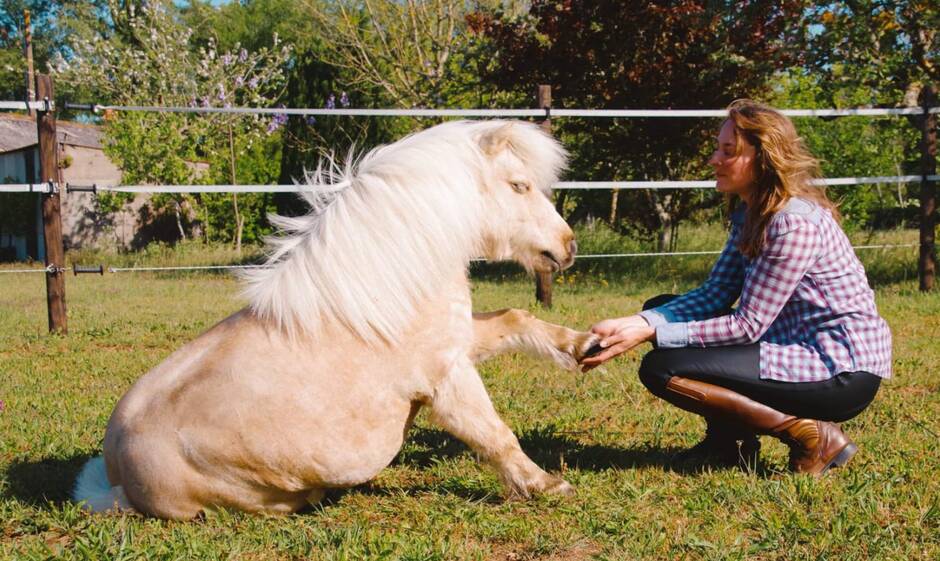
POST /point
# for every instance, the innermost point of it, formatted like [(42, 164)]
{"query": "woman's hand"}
[(611, 326), (619, 335)]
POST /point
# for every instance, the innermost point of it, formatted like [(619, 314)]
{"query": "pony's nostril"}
[(573, 248)]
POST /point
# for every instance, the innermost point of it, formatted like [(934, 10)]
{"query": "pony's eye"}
[(519, 186)]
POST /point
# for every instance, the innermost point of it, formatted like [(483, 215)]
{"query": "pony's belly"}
[(293, 445), (354, 455), (174, 472)]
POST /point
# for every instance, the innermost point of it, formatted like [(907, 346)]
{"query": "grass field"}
[(603, 431)]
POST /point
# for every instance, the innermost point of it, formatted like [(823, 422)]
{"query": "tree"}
[(145, 56), (309, 82), (890, 48), (615, 54), (331, 43), (416, 53), (48, 38)]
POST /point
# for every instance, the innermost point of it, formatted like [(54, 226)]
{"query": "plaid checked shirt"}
[(805, 298)]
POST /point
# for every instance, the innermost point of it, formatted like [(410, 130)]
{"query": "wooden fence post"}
[(51, 211), (927, 264), (28, 53), (543, 281)]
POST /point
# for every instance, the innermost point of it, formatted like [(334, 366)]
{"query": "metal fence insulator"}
[(82, 107), (93, 188), (87, 269)]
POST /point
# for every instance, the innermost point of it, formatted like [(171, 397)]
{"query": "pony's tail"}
[(95, 492)]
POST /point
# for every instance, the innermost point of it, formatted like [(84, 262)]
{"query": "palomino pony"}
[(362, 317)]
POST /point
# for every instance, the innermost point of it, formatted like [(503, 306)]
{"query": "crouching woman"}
[(804, 349)]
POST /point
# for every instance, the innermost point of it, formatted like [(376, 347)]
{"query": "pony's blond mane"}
[(386, 232)]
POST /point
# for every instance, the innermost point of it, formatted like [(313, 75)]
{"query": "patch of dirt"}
[(578, 551)]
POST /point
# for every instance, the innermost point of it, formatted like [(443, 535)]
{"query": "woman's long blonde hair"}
[(783, 166)]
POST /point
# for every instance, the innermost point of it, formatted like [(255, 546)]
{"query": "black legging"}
[(737, 368)]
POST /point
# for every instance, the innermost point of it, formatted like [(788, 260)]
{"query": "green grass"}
[(608, 436)]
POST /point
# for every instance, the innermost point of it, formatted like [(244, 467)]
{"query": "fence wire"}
[(537, 113), (588, 256)]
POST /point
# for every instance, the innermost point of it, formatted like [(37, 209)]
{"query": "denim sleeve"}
[(672, 335), (714, 297)]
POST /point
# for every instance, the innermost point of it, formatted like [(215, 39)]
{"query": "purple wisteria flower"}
[(242, 55), (344, 99), (227, 59), (253, 83), (277, 121), (331, 102), (239, 81), (311, 120)]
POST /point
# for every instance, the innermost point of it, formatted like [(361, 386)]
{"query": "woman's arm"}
[(714, 297), (792, 246)]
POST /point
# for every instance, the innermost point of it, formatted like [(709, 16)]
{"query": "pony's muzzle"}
[(572, 247)]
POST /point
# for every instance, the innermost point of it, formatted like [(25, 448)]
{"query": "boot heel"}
[(843, 456)]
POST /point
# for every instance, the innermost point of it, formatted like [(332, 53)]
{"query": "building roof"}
[(19, 131)]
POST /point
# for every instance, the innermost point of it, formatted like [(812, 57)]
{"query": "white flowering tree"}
[(418, 53), (145, 55)]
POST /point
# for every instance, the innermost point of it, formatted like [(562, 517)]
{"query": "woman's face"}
[(734, 172)]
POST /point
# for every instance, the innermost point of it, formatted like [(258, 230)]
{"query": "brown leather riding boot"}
[(815, 446)]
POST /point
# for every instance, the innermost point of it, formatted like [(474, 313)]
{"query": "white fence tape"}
[(26, 106)]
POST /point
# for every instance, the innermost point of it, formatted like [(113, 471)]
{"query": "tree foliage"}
[(49, 35), (416, 53), (887, 48), (354, 54), (875, 53), (481, 53)]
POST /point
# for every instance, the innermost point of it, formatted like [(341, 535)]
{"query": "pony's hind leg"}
[(461, 406), (315, 496), (518, 330)]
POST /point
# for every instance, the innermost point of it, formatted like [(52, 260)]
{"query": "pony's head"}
[(519, 221)]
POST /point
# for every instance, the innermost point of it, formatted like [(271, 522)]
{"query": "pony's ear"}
[(496, 140)]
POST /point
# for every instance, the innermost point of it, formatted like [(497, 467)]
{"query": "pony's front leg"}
[(462, 407), (518, 330)]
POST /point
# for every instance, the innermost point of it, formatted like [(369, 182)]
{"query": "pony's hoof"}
[(575, 347), (588, 345), (560, 487)]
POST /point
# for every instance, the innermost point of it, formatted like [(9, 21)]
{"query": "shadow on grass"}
[(48, 480), (464, 490), (51, 480), (548, 448)]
